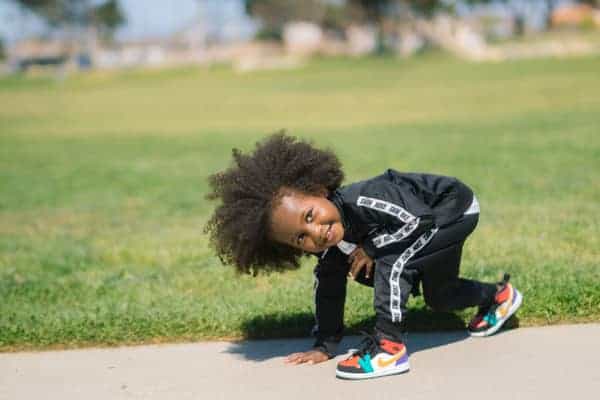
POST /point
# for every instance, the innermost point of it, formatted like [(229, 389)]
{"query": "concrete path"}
[(560, 362)]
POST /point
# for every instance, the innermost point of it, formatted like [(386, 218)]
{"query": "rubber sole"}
[(398, 369), (513, 309)]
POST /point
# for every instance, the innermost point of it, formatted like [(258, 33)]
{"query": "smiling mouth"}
[(328, 234)]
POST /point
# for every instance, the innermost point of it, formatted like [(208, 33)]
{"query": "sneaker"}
[(489, 319), (376, 357)]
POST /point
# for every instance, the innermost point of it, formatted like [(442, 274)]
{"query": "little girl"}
[(392, 232)]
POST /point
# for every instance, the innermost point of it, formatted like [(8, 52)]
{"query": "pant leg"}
[(439, 264), (451, 234), (392, 288), (443, 290)]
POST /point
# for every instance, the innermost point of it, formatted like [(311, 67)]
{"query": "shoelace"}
[(368, 345), (489, 313), (505, 280)]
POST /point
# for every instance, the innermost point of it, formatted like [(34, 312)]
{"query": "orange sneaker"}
[(377, 357), (489, 320)]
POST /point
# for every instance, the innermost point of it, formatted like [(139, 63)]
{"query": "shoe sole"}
[(513, 309), (399, 369)]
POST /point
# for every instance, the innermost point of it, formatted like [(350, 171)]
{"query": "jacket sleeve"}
[(330, 295), (447, 196), (394, 214)]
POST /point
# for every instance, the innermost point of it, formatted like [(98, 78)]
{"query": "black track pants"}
[(437, 267)]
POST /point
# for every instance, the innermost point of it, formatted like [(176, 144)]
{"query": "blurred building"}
[(575, 15)]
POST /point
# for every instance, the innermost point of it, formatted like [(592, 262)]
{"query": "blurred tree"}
[(382, 13), (274, 14), (337, 14), (375, 10), (2, 50), (58, 12), (106, 16)]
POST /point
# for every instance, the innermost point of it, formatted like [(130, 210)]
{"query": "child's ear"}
[(323, 192)]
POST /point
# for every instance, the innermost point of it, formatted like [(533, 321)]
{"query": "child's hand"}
[(360, 260), (309, 357)]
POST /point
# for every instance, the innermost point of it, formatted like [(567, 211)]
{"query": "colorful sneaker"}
[(377, 357), (488, 320)]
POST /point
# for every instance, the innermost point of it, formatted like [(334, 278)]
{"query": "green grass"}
[(102, 179)]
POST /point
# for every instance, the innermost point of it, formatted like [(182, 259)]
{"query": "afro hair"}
[(248, 191)]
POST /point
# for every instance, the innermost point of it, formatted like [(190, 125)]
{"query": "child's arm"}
[(329, 296), (389, 213), (324, 347), (446, 195), (358, 260)]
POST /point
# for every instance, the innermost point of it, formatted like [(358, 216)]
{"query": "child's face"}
[(307, 222)]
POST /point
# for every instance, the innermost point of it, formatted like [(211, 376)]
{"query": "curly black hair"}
[(249, 190)]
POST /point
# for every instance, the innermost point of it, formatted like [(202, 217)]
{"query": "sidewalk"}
[(558, 362)]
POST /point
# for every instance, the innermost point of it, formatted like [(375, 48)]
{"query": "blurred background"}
[(250, 34), (114, 113)]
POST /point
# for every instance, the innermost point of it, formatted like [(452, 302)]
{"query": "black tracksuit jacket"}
[(393, 213)]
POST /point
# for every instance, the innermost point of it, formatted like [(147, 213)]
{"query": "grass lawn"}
[(102, 179)]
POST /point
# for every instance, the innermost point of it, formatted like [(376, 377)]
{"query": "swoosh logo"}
[(384, 363)]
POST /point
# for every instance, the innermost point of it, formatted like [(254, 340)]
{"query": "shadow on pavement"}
[(275, 327), (424, 329), (261, 350)]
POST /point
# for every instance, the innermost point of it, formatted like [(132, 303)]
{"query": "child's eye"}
[(300, 238), (309, 215)]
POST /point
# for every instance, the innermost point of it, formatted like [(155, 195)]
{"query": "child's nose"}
[(315, 232)]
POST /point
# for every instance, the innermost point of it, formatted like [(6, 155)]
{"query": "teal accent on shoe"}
[(490, 318), (365, 363)]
